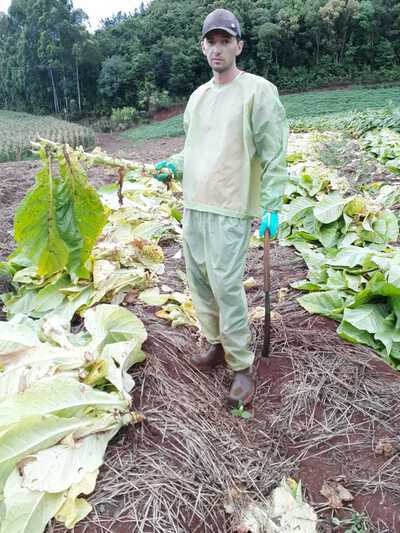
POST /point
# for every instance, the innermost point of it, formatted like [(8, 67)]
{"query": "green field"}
[(171, 127), (322, 109), (298, 107), (18, 129), (314, 104)]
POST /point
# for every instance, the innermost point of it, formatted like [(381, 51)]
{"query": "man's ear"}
[(240, 48), (202, 46)]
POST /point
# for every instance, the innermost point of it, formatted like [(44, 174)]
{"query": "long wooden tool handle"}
[(267, 263), (267, 287)]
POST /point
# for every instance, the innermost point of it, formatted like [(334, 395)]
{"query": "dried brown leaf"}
[(336, 494), (131, 297)]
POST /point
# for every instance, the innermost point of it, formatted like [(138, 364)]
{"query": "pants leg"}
[(215, 248), (227, 248), (196, 271)]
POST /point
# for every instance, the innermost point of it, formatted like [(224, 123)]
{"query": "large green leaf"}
[(80, 215), (394, 165), (373, 319), (388, 195), (329, 209), (15, 338), (59, 221), (394, 274), (355, 282), (135, 277), (21, 370), (329, 303), (367, 317), (352, 334), (111, 323), (118, 336), (328, 234), (350, 256), (376, 286), (153, 297), (395, 354), (314, 259), (384, 229), (298, 208), (310, 226), (57, 468), (395, 303), (347, 240), (27, 511), (56, 395), (388, 333), (336, 279), (305, 285), (35, 226), (33, 434)]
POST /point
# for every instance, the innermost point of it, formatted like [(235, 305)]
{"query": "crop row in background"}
[(18, 129)]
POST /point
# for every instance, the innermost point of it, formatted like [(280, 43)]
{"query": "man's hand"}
[(270, 222), (165, 171)]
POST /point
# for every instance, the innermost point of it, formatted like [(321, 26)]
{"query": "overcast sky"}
[(95, 9)]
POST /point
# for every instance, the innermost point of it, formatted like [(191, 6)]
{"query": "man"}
[(234, 168)]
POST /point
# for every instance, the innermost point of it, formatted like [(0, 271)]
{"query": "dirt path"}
[(322, 411)]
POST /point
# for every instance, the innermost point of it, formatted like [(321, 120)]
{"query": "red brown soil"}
[(146, 152), (353, 460), (168, 113), (348, 458)]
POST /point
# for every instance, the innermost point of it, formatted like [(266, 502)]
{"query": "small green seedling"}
[(358, 523), (240, 411)]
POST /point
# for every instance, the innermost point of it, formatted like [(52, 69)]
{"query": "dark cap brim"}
[(227, 30)]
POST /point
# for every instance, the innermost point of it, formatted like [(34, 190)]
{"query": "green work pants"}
[(215, 249)]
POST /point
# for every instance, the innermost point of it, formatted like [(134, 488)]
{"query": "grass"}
[(171, 127), (317, 108), (315, 104), (18, 129)]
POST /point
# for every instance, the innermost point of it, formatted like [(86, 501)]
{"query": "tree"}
[(42, 43), (49, 61), (113, 79), (337, 16)]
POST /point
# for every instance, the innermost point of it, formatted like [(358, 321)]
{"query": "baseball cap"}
[(221, 19)]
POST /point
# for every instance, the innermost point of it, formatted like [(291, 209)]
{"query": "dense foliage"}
[(50, 62)]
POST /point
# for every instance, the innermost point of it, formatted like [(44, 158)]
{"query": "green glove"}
[(165, 171), (270, 222)]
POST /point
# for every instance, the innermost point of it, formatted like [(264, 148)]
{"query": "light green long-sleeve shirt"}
[(234, 159)]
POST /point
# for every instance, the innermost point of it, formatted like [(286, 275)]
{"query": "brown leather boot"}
[(214, 356), (243, 387)]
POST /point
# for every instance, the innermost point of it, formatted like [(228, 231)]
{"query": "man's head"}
[(221, 19), (221, 40)]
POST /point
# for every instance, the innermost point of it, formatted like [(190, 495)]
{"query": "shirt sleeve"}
[(270, 131), (179, 159)]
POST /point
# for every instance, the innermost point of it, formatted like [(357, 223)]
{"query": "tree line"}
[(51, 63)]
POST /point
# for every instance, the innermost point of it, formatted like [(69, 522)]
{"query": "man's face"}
[(221, 50)]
